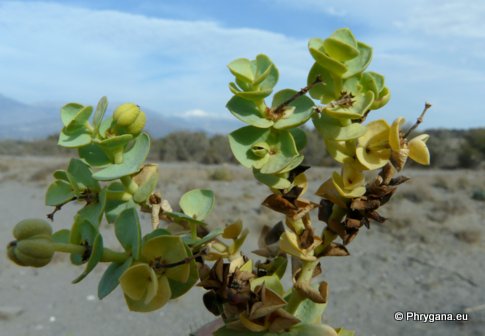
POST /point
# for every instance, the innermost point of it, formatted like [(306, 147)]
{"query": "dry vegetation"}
[(427, 257)]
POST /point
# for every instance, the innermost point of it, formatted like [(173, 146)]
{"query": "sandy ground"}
[(428, 258)]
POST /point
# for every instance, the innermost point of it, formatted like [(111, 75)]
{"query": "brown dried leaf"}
[(363, 203), (307, 291), (278, 203), (398, 180), (293, 194), (375, 216), (306, 239), (352, 223), (349, 236), (273, 236), (270, 301), (325, 210), (335, 250), (282, 321)]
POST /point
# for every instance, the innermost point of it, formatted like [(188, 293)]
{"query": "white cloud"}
[(428, 50), (201, 114), (72, 53)]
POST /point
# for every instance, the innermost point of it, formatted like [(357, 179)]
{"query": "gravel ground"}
[(428, 258)]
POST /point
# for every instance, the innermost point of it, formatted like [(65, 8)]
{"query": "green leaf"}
[(81, 118), (266, 73), (115, 206), (179, 217), (74, 138), (147, 180), (69, 112), (254, 94), (315, 46), (99, 114), (194, 244), (369, 84), (310, 312), (359, 63), (272, 180), (197, 203), (272, 282), (104, 127), (303, 109), (241, 68), (59, 192), (93, 155), (61, 175), (281, 155), (155, 233), (247, 111), (329, 89), (111, 277), (341, 45), (132, 161), (382, 100), (94, 259), (241, 142), (82, 232), (331, 129), (61, 236), (171, 249), (361, 103), (180, 288), (128, 232), (115, 142), (299, 136), (93, 212), (82, 175)]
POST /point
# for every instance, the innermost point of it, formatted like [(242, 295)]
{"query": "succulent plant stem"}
[(108, 254), (69, 248), (113, 256), (118, 196), (305, 276), (328, 236), (129, 184)]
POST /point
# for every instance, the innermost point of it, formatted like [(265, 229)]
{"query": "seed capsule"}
[(31, 227)]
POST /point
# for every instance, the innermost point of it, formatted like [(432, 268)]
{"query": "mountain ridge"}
[(21, 121)]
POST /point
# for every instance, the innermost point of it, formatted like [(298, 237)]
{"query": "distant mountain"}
[(28, 122)]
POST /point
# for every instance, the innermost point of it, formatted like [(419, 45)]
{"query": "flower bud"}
[(128, 119), (35, 252), (28, 228)]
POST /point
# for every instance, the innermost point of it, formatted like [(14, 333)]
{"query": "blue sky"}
[(171, 56)]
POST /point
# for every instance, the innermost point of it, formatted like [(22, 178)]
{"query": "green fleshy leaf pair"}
[(372, 81), (132, 160), (354, 109), (71, 183), (85, 234), (341, 53), (254, 79), (146, 285), (128, 232), (294, 114), (116, 203), (268, 150), (332, 129), (76, 131)]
